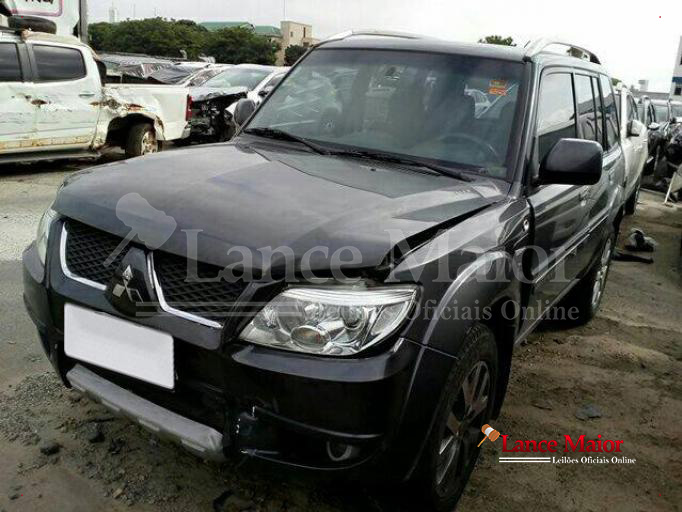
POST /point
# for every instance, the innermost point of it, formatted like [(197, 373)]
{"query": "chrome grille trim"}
[(65, 267), (155, 282)]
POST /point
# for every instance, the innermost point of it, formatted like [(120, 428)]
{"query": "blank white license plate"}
[(119, 346)]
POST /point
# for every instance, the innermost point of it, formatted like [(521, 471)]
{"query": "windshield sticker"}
[(498, 87)]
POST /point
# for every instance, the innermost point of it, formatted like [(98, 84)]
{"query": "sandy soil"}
[(626, 364)]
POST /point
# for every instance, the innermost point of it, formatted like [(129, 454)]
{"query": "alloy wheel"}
[(457, 449), (600, 278)]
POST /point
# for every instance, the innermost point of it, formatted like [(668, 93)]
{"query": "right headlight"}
[(43, 233), (334, 320)]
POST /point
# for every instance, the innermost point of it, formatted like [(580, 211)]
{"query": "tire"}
[(141, 140), (445, 467), (587, 295), (631, 203)]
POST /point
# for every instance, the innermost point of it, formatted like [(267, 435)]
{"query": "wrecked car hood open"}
[(199, 94), (238, 196)]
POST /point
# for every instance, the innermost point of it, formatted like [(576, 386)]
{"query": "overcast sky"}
[(634, 40)]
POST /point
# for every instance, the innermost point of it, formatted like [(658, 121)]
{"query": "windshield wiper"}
[(275, 133), (400, 160)]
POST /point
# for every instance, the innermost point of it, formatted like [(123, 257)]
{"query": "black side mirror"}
[(572, 162), (243, 110)]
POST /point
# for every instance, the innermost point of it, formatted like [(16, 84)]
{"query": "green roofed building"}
[(219, 25), (288, 34), (262, 30)]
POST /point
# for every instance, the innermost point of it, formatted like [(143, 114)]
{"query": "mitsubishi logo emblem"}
[(127, 276), (132, 293), (129, 290)]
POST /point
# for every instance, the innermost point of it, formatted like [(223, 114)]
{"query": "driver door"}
[(560, 211)]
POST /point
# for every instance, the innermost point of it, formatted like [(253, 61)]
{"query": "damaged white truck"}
[(54, 104)]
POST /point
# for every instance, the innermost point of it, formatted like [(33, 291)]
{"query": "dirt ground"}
[(625, 365)]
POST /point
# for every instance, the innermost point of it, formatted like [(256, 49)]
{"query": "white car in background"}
[(213, 102), (264, 87), (54, 103), (634, 137)]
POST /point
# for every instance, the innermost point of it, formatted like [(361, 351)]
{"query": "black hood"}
[(262, 195)]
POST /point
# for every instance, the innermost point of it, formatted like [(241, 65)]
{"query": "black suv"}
[(341, 287)]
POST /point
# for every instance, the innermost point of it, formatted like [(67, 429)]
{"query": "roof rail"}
[(372, 32), (540, 45)]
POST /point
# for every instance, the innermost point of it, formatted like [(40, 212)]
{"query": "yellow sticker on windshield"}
[(498, 87)]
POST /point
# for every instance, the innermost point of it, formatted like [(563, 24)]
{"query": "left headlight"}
[(44, 232), (335, 321)]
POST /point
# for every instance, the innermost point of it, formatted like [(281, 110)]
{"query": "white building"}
[(676, 89), (113, 14)]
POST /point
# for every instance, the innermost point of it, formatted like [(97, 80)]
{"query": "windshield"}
[(238, 77), (452, 109)]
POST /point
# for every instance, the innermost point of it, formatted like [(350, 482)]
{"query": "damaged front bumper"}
[(360, 417)]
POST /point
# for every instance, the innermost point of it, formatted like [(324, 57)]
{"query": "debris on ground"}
[(588, 412), (619, 255), (639, 242), (94, 433), (50, 447), (542, 403)]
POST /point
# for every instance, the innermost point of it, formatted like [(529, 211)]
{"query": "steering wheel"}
[(482, 145)]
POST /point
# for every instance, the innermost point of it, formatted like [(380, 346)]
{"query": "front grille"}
[(209, 296), (86, 251), (203, 293)]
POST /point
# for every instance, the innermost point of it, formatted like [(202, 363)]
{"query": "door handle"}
[(87, 94)]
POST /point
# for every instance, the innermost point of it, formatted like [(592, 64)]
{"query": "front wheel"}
[(141, 140), (467, 403)]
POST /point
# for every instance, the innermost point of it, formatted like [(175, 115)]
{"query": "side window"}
[(10, 69), (556, 112), (600, 117), (587, 110), (55, 63), (610, 114)]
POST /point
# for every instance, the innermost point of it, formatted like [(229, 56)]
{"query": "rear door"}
[(17, 111), (604, 195), (67, 91)]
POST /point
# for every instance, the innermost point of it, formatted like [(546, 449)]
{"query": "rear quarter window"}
[(55, 63), (10, 69)]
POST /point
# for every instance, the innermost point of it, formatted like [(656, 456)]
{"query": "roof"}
[(267, 30), (261, 30), (408, 42), (219, 25), (425, 44)]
